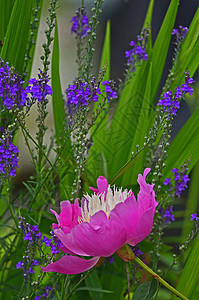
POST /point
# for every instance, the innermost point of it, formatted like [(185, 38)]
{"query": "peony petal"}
[(71, 265), (69, 244), (126, 214), (102, 185), (146, 196), (144, 226), (100, 237)]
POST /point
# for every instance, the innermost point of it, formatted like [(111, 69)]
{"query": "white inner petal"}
[(97, 203)]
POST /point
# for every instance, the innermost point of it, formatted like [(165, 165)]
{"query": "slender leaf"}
[(148, 18), (93, 285), (66, 176), (189, 277), (16, 38), (6, 7), (146, 290), (161, 46)]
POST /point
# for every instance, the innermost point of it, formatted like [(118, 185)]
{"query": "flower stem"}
[(162, 281)]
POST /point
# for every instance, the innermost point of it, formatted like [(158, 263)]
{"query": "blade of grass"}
[(16, 38)]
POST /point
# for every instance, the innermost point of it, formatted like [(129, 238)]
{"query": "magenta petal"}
[(144, 226), (127, 215), (69, 243), (100, 237), (102, 185), (71, 265), (146, 196)]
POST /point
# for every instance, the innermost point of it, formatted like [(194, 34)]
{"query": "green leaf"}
[(115, 141), (189, 277), (146, 290), (189, 54), (34, 37), (161, 46), (6, 7), (185, 145), (57, 99), (65, 175), (93, 289), (106, 52), (93, 285), (192, 202), (16, 38), (148, 18)]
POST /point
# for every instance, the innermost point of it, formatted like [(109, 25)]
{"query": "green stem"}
[(162, 281), (81, 279)]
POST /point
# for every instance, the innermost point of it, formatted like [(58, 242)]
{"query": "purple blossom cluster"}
[(180, 178), (110, 93), (167, 214), (195, 217), (138, 51), (35, 238), (180, 33), (171, 102), (12, 91), (8, 156), (136, 250), (80, 25), (82, 93), (48, 291), (11, 87), (39, 88)]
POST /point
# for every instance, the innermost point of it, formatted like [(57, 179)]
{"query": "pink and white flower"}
[(108, 220)]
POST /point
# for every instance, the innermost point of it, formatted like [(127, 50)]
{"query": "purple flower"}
[(166, 214), (171, 102), (30, 271), (194, 217), (109, 259), (38, 88), (11, 87), (82, 93), (180, 178), (80, 24), (28, 237), (19, 264), (180, 33), (35, 262), (138, 51), (110, 93), (167, 181), (8, 156), (47, 241)]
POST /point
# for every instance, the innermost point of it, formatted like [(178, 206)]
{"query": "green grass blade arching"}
[(17, 34), (6, 7)]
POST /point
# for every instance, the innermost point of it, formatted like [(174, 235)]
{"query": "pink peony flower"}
[(108, 220)]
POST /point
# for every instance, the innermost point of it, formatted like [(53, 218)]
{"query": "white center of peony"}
[(104, 202)]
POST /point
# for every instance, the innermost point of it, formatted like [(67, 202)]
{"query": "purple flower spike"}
[(194, 216), (171, 103), (80, 24), (8, 156)]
